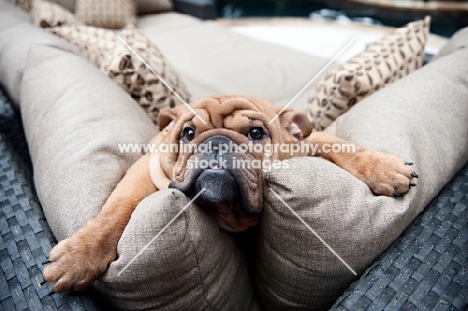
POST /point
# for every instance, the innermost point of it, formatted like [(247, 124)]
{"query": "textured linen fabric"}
[(153, 6), (415, 118), (47, 14), (93, 42), (128, 71), (114, 58), (212, 60), (17, 34), (458, 41), (113, 14), (192, 265), (73, 124), (24, 4), (382, 63)]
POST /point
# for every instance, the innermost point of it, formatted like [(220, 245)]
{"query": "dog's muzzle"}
[(216, 173)]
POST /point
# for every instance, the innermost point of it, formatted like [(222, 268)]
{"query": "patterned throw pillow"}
[(382, 63), (132, 74), (24, 4), (106, 51), (114, 14), (48, 14), (92, 42)]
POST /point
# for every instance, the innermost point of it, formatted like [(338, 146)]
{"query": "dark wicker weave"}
[(426, 268), (25, 237)]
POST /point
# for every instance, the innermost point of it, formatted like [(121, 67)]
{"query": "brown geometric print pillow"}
[(92, 42), (47, 14), (114, 14), (24, 4), (382, 63), (132, 74), (106, 51)]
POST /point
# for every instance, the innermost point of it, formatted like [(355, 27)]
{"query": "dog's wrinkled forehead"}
[(214, 111)]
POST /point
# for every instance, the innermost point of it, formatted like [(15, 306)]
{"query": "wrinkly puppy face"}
[(219, 147)]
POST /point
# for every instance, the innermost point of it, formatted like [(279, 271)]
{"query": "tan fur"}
[(82, 258)]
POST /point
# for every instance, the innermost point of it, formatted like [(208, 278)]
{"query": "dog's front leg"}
[(385, 174), (79, 260)]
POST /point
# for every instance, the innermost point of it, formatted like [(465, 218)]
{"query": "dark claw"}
[(409, 163), (42, 283), (414, 175), (51, 293), (412, 185), (46, 262), (396, 195)]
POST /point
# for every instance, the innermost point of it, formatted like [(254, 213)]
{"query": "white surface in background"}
[(318, 41)]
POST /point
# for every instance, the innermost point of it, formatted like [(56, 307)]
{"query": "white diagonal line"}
[(315, 233), (160, 78), (313, 79), (159, 233)]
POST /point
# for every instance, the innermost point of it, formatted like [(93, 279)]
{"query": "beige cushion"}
[(382, 63), (24, 4), (74, 123), (48, 14), (458, 41), (122, 66), (68, 4), (17, 34), (153, 6), (213, 60), (294, 269), (106, 13), (94, 43)]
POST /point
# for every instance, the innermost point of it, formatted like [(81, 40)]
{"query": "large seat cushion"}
[(213, 60), (74, 125), (415, 118)]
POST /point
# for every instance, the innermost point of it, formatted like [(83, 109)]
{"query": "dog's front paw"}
[(78, 261), (385, 174)]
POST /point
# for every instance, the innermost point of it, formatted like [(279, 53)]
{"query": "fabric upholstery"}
[(458, 41), (104, 48), (152, 93), (106, 13), (73, 126), (382, 63), (94, 43), (294, 269), (24, 4), (212, 60), (48, 14), (17, 34)]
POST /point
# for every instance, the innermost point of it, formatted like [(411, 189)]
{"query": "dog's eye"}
[(188, 134), (255, 133)]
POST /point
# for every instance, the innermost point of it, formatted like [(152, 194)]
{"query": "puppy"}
[(232, 130)]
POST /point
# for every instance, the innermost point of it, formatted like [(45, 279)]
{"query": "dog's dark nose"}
[(218, 149), (219, 185)]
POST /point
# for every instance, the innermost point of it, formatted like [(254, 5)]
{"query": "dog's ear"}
[(165, 117), (296, 123)]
